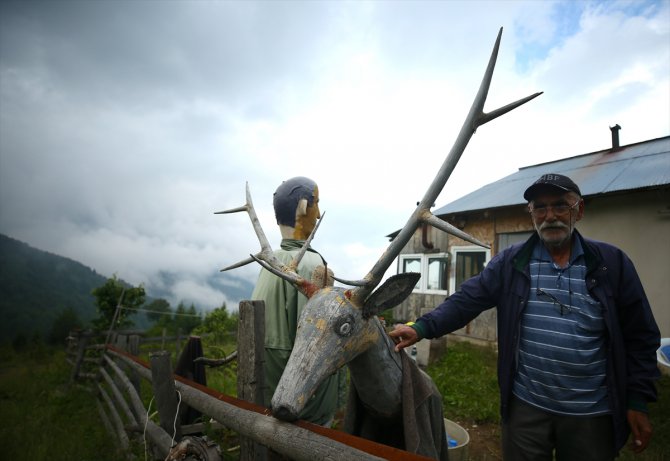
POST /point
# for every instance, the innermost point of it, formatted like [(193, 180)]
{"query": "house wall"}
[(637, 222), (485, 226), (434, 237), (481, 226), (410, 309)]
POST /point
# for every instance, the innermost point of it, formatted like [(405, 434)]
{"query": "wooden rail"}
[(124, 415)]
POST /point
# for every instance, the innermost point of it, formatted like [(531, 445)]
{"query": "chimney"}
[(615, 135)]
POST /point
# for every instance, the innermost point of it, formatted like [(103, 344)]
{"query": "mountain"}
[(37, 286)]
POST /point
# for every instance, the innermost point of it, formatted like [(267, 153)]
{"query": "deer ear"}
[(392, 292)]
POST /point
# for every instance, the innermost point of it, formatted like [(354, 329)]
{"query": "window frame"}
[(425, 258), (453, 255)]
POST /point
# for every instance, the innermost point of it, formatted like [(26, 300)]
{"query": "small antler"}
[(475, 118), (266, 257)]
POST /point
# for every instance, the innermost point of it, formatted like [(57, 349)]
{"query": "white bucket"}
[(456, 433)]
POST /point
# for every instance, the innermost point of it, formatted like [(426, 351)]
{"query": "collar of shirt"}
[(540, 252)]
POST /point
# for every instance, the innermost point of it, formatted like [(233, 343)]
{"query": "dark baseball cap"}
[(551, 182)]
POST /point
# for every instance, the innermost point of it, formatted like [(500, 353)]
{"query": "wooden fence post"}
[(177, 347), (82, 340), (130, 344), (250, 357), (165, 393), (133, 347)]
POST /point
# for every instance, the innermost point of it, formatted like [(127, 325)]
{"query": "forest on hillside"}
[(42, 294), (36, 287)]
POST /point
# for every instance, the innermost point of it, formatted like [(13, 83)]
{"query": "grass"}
[(466, 378), (43, 418), (46, 419), (224, 378)]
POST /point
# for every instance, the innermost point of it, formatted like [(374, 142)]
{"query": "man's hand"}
[(640, 430), (403, 336)]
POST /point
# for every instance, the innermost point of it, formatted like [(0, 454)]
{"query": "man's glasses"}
[(555, 300), (559, 210)]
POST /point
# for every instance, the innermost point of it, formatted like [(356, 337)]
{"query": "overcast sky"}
[(124, 125)]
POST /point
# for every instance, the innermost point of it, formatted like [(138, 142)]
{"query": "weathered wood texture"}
[(250, 378), (118, 397), (485, 226), (299, 441), (250, 347), (123, 413), (165, 393), (81, 350), (285, 438), (131, 344), (116, 419), (159, 438)]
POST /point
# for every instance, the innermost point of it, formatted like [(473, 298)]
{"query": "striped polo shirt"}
[(562, 358)]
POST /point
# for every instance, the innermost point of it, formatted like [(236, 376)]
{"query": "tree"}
[(66, 321), (108, 296), (218, 322), (193, 319), (186, 319), (160, 311)]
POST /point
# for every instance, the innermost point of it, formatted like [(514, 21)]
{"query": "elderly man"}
[(296, 205), (576, 336)]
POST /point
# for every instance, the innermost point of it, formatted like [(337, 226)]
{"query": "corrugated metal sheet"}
[(636, 166)]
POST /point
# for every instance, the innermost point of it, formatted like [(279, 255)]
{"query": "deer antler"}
[(266, 257), (476, 117)]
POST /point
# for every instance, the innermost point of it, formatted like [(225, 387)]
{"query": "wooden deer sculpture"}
[(339, 326)]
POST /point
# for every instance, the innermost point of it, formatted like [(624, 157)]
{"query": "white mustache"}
[(554, 225)]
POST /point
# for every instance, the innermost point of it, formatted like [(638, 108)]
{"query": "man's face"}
[(554, 216)]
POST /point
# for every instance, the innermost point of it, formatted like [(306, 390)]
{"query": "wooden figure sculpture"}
[(339, 325)]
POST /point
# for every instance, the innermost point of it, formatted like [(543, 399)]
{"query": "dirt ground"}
[(484, 441)]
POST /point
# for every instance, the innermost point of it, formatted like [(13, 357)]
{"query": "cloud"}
[(124, 128)]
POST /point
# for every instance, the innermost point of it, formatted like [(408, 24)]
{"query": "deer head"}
[(338, 323)]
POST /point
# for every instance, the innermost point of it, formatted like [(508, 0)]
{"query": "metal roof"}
[(635, 166)]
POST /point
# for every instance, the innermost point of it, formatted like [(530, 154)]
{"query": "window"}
[(466, 263), (412, 264), (506, 240), (434, 270), (438, 270)]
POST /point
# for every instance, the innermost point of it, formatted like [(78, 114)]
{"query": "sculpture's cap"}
[(287, 196)]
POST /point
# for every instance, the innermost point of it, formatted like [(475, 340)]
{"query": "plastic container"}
[(663, 355), (458, 439)]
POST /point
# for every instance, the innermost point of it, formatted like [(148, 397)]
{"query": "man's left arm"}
[(641, 338)]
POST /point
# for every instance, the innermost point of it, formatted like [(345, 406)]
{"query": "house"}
[(626, 190)]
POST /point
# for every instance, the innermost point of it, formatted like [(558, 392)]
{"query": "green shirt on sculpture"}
[(283, 307), (284, 303)]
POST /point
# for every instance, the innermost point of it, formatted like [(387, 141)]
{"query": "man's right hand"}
[(403, 336)]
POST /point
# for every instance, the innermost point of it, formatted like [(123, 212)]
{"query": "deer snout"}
[(284, 413)]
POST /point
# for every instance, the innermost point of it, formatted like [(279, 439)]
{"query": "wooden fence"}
[(115, 371)]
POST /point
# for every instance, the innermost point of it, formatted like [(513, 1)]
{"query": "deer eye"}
[(344, 325)]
